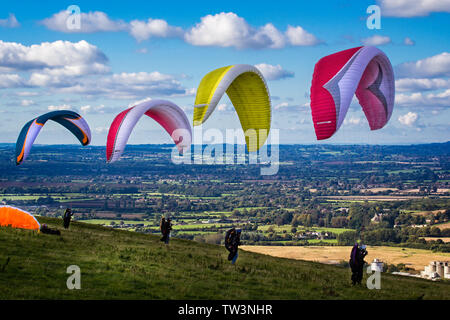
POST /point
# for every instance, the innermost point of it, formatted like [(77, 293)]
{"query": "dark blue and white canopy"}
[(72, 121)]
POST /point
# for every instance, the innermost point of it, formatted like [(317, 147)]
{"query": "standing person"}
[(67, 217), (168, 228), (232, 242), (357, 262)]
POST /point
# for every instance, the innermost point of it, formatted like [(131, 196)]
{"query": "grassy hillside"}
[(125, 265)]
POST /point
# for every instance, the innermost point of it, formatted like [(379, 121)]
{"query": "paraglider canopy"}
[(72, 121), (248, 92), (363, 71), (171, 117), (17, 218)]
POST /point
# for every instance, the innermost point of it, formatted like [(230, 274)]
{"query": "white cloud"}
[(9, 80), (269, 35), (271, 72), (221, 30), (10, 22), (287, 107), (127, 86), (57, 58), (230, 30), (143, 30), (59, 107), (281, 105), (412, 84), (435, 66), (376, 40), (408, 119), (191, 92), (298, 36), (85, 109), (408, 41), (26, 103), (135, 103), (417, 77), (80, 68), (418, 99), (96, 21), (26, 94), (223, 107), (353, 121), (412, 8), (90, 109), (101, 129)]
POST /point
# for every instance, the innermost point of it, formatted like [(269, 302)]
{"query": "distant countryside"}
[(323, 196)]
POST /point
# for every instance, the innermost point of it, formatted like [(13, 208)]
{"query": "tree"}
[(347, 238)]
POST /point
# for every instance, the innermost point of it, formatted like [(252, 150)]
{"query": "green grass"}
[(14, 198), (314, 241), (400, 171), (276, 228), (288, 228), (199, 226), (333, 230), (178, 232), (119, 264), (250, 208), (116, 221)]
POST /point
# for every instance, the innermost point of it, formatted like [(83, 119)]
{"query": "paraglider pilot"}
[(232, 242), (357, 262), (67, 217), (45, 229), (165, 226)]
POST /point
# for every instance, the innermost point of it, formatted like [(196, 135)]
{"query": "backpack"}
[(229, 238)]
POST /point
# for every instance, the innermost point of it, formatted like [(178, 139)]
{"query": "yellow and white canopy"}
[(248, 92)]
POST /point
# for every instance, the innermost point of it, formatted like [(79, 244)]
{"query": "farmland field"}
[(413, 258), (445, 239), (443, 226)]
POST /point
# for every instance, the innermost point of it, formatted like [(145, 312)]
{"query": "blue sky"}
[(119, 57)]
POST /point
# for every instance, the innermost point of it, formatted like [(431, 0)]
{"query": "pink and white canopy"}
[(166, 113), (364, 71)]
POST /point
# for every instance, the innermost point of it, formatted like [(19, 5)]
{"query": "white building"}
[(377, 265), (437, 270)]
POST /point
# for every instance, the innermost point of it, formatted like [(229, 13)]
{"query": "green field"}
[(117, 221), (119, 264), (288, 228), (199, 226), (315, 241)]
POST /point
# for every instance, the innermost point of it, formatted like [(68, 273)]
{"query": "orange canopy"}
[(16, 218)]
